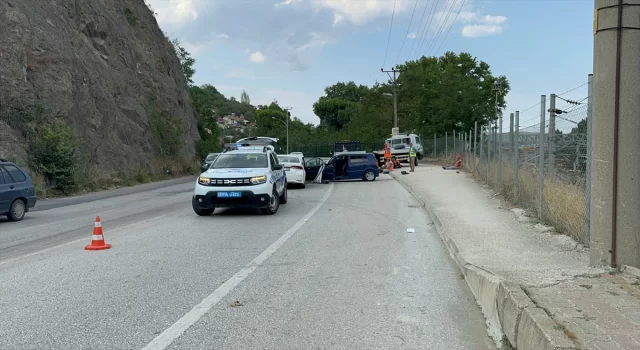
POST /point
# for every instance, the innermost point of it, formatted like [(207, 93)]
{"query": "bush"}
[(167, 132), (54, 152), (132, 18)]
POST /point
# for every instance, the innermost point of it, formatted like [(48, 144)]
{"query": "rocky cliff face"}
[(102, 65)]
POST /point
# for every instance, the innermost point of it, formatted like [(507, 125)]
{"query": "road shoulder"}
[(535, 288)]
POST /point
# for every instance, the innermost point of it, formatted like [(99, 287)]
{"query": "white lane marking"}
[(81, 239), (172, 333)]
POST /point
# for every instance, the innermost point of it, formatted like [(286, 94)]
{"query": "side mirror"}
[(278, 167)]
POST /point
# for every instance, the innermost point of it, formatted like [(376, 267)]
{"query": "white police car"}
[(249, 177)]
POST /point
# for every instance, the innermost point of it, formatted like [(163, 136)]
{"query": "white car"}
[(294, 167), (250, 177)]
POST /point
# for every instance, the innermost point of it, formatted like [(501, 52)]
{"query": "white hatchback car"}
[(250, 177), (294, 168)]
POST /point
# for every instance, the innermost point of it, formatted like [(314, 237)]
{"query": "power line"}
[(417, 38), (451, 26), (389, 38), (434, 6), (407, 33), (443, 21)]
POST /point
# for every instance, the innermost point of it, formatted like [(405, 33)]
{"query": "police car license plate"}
[(287, 168), (229, 194)]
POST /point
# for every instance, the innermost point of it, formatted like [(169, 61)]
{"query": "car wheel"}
[(369, 175), (17, 211), (303, 185), (285, 197), (201, 211), (274, 204)]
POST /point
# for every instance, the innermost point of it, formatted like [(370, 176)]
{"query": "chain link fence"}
[(541, 167)]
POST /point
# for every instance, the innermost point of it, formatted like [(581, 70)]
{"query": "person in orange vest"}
[(458, 165), (387, 152)]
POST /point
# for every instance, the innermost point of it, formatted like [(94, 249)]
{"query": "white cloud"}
[(474, 24), (222, 36), (412, 35), (257, 57), (478, 30), (316, 40), (174, 12), (287, 2), (360, 12)]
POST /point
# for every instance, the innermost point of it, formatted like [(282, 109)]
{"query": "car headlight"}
[(204, 180), (256, 180)]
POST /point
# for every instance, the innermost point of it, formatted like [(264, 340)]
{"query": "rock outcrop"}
[(103, 66)]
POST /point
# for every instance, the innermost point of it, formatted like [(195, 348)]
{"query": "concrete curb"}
[(510, 314)]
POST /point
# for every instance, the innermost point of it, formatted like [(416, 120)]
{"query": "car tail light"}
[(296, 167)]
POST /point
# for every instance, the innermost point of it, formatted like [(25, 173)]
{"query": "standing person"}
[(387, 152), (412, 157)]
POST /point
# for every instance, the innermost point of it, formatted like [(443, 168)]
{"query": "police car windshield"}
[(240, 160)]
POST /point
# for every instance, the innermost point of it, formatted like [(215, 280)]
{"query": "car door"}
[(312, 167), (5, 191), (357, 165), (15, 181), (329, 172), (281, 179)]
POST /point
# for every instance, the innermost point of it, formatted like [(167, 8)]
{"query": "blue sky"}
[(290, 50)]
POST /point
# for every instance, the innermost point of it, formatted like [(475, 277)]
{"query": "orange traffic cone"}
[(97, 243)]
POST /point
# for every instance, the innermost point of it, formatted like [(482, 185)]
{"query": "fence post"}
[(499, 145), (552, 137), (587, 195), (454, 142), (489, 154), (446, 144), (475, 145), (511, 135), (516, 159), (469, 145), (435, 146), (543, 102)]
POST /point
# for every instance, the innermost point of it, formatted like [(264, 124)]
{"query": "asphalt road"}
[(335, 268)]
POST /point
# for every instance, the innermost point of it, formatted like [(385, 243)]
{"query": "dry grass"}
[(563, 203)]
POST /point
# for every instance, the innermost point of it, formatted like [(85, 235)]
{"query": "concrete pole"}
[(454, 143), (446, 145), (499, 145), (552, 137), (395, 101), (541, 141), (475, 145), (435, 145), (489, 153), (615, 189), (511, 134), (516, 159), (587, 192), (481, 144)]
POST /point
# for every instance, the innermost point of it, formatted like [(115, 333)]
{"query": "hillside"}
[(107, 71)]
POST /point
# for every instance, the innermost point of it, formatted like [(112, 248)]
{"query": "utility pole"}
[(288, 109), (395, 93), (552, 136), (286, 121), (615, 189)]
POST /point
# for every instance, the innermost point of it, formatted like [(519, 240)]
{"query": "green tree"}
[(580, 128), (186, 61), (244, 98), (206, 101), (451, 92)]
